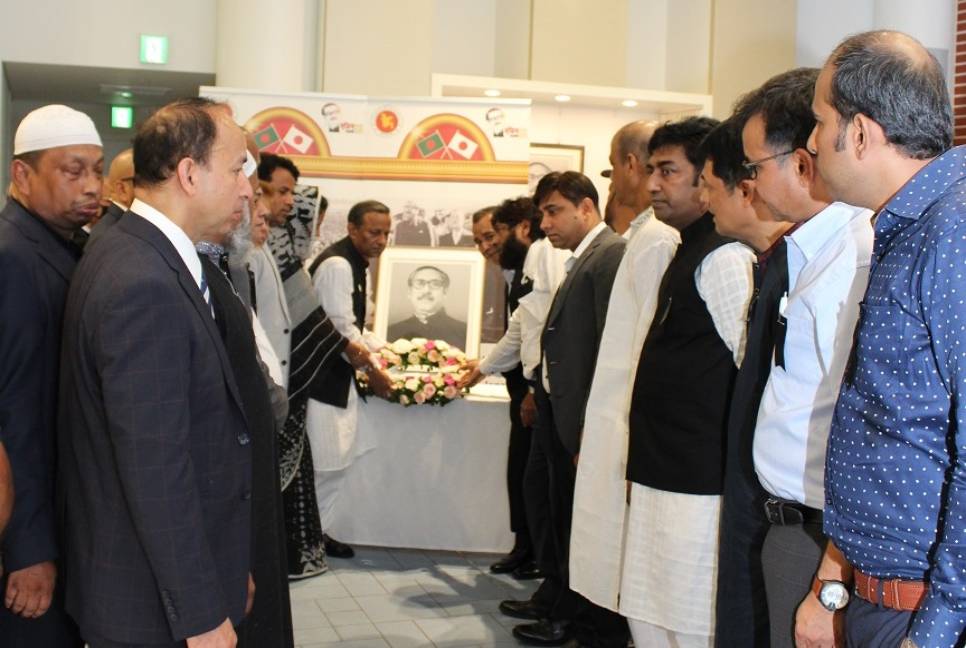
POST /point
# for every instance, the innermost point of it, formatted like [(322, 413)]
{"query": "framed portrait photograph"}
[(433, 293), (545, 158)]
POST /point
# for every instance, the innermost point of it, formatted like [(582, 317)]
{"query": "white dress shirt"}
[(544, 269), (568, 266), (828, 270), (185, 248), (332, 430), (725, 282), (272, 305)]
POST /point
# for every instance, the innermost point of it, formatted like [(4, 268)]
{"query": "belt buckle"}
[(774, 512)]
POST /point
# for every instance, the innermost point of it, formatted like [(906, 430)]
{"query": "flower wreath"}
[(423, 371)]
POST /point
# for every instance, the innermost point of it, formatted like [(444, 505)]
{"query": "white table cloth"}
[(435, 480)]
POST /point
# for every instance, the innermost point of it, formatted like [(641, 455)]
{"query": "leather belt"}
[(783, 512), (895, 593)]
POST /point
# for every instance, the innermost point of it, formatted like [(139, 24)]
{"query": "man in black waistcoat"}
[(503, 235), (340, 277), (571, 220), (55, 186), (679, 404), (741, 610)]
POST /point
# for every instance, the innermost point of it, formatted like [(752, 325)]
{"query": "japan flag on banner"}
[(462, 145), (297, 139)]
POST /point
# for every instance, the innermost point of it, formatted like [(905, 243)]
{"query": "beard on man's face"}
[(513, 253)]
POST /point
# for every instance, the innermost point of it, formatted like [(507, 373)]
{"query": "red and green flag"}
[(266, 137), (431, 144)]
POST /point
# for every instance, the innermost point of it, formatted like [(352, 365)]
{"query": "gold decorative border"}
[(424, 127), (299, 117), (422, 170)]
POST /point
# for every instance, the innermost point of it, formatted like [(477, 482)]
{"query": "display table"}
[(436, 478)]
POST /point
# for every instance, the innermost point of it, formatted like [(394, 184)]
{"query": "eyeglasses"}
[(435, 284), (752, 167)]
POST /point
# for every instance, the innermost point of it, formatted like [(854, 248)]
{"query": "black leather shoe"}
[(544, 633), (511, 562), (523, 609), (527, 571), (335, 548)]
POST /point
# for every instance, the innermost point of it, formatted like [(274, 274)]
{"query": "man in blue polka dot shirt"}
[(895, 482)]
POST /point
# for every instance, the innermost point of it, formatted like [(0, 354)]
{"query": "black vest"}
[(333, 386), (516, 384), (771, 282), (679, 405)]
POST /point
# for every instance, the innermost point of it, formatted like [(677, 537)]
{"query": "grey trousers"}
[(789, 559), (873, 626)]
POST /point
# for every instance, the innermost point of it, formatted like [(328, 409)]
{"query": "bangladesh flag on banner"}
[(266, 137), (432, 143)]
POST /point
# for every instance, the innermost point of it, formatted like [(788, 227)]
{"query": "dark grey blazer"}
[(572, 332), (110, 218), (155, 450)]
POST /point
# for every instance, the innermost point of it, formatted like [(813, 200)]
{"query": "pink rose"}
[(449, 380), (430, 345), (427, 378), (451, 392), (429, 389), (433, 355), (419, 397)]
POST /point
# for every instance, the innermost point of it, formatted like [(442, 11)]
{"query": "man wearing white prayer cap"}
[(55, 189)]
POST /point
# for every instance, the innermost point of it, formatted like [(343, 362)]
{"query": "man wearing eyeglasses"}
[(118, 193), (828, 256), (428, 286)]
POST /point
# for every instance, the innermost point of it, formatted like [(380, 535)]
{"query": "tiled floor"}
[(404, 598)]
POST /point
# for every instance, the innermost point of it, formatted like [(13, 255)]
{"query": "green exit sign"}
[(154, 49), (122, 116)]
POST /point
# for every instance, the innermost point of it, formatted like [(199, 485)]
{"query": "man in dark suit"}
[(428, 286), (571, 335), (56, 184), (155, 451), (6, 488), (118, 193)]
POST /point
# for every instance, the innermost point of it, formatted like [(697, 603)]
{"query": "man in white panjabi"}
[(678, 406), (340, 276), (600, 495)]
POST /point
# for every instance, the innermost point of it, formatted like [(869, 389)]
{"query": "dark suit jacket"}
[(155, 450), (573, 329), (35, 268), (110, 218)]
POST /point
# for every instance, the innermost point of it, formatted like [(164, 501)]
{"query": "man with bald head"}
[(55, 189), (156, 450), (895, 480), (600, 496), (118, 192)]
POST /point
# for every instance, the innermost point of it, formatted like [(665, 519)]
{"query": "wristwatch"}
[(833, 595)]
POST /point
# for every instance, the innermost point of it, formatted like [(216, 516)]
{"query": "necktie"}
[(206, 293)]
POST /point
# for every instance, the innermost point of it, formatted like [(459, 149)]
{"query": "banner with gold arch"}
[(432, 161)]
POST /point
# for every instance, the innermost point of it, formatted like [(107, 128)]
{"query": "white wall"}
[(822, 24), (464, 37), (105, 33), (576, 41), (585, 126)]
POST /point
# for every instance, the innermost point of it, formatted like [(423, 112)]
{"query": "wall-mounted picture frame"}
[(545, 158), (433, 293)]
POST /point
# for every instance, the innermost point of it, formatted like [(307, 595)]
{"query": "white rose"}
[(441, 345), (412, 384), (452, 353), (401, 347), (419, 341)]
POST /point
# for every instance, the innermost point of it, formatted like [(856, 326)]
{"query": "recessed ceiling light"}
[(629, 103), (562, 98), (492, 92), (127, 94)]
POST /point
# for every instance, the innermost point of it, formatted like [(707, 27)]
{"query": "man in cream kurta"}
[(600, 496), (341, 279)]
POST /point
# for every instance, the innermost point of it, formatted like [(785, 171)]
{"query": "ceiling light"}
[(492, 92), (629, 103), (127, 94), (562, 98)]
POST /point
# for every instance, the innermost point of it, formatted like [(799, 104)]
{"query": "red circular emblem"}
[(386, 121)]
